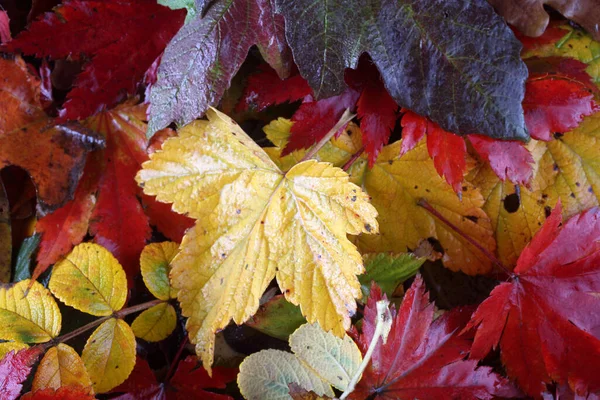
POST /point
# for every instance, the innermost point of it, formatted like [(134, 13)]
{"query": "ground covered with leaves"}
[(294, 199)]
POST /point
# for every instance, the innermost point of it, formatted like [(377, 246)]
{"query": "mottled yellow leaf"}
[(61, 366), (255, 222), (156, 323), (155, 265), (396, 184), (266, 375), (109, 354), (575, 44), (336, 360), (91, 280), (6, 347), (567, 168), (34, 318)]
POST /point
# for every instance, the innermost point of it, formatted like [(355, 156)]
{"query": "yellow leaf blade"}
[(334, 359), (91, 280), (109, 354), (396, 184), (248, 212), (155, 263), (34, 318), (61, 366), (155, 323), (266, 375), (7, 347)]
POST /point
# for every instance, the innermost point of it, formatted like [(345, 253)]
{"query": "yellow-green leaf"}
[(91, 280), (61, 366), (109, 354), (396, 184), (266, 375), (6, 347), (335, 359), (156, 323), (155, 265), (389, 270), (249, 213), (34, 318), (567, 168)]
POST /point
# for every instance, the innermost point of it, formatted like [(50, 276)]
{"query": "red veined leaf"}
[(508, 159), (62, 393), (376, 109), (545, 319), (67, 226), (423, 358), (14, 369), (555, 105), (122, 37), (187, 383), (265, 89), (314, 119), (118, 221)]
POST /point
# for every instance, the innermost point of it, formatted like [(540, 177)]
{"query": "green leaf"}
[(178, 4), (278, 318), (456, 62), (29, 246), (388, 270)]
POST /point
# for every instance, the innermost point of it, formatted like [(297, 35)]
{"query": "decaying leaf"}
[(248, 212), (531, 18), (320, 360), (34, 318), (109, 354), (91, 280), (61, 366)]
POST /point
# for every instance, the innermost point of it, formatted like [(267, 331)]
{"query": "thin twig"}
[(346, 117), (423, 203), (352, 159), (118, 314)]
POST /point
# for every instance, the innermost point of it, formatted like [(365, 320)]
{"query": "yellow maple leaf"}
[(255, 222), (567, 168), (61, 366)]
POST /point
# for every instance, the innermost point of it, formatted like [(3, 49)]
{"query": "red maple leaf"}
[(14, 369), (508, 159), (555, 105), (122, 37), (188, 382), (62, 393), (545, 319), (423, 358)]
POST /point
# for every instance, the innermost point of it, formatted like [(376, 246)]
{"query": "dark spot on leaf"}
[(472, 218), (390, 162), (547, 211), (572, 195), (577, 184), (558, 135), (416, 186), (512, 202), (464, 188), (591, 190), (368, 228), (238, 211), (353, 198), (555, 167)]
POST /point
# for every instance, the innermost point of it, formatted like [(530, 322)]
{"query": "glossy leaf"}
[(123, 39), (91, 280), (423, 70), (423, 358), (200, 61), (61, 366), (34, 318), (155, 323), (278, 318), (109, 354), (388, 270), (14, 370), (155, 263), (246, 210), (543, 316)]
